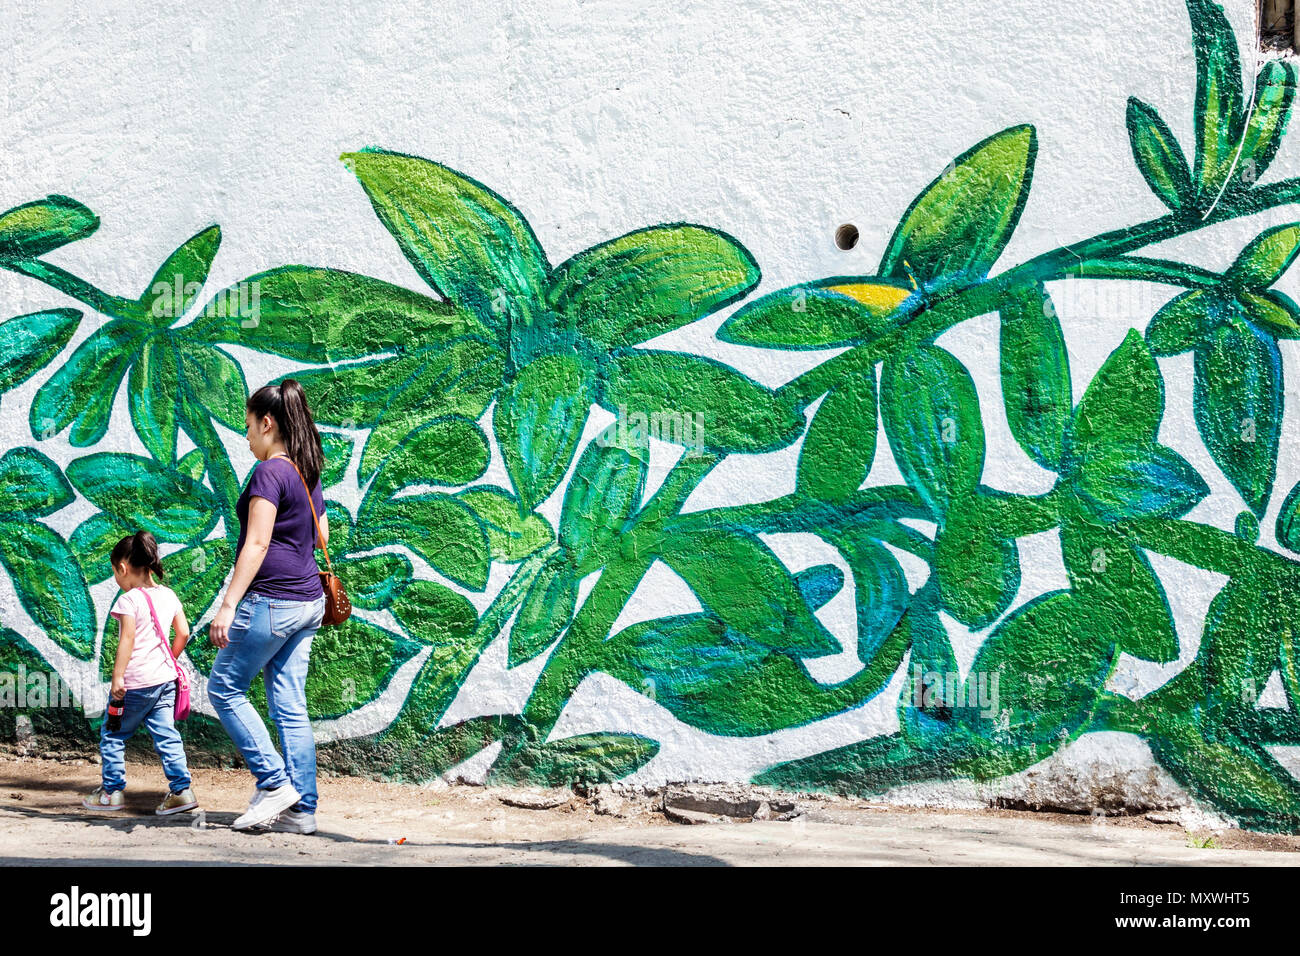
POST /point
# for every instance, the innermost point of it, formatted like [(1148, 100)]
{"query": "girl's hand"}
[(117, 688), (219, 629)]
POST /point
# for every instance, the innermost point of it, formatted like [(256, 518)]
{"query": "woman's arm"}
[(261, 522), (325, 529), (125, 644), (181, 625)]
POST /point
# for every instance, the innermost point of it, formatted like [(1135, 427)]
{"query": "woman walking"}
[(272, 608)]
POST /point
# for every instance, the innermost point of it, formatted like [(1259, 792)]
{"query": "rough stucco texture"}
[(632, 472)]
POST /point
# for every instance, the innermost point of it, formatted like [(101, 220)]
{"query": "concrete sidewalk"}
[(374, 823)]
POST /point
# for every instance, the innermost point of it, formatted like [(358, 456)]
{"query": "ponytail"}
[(287, 404), (140, 551)]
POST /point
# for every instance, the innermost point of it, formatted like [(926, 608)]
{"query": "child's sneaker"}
[(291, 821), (99, 800), (177, 803)]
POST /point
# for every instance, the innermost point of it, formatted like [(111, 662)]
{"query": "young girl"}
[(144, 676)]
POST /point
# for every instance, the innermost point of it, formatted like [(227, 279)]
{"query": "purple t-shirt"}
[(289, 570)]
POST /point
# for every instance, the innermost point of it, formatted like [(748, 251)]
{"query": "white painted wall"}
[(774, 121)]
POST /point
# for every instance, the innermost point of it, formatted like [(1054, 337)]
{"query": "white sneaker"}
[(266, 805), (291, 821)]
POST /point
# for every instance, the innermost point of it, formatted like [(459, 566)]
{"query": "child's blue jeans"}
[(270, 635), (154, 707)]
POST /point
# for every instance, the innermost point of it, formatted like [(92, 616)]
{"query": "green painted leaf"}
[(1274, 312), (1050, 659), (1288, 520), (1138, 479), (144, 494), (1111, 572), (30, 342), (394, 395), (1274, 92), (641, 285), (1236, 776), (35, 228), (538, 422), (545, 612), (438, 527), (932, 419), (351, 664), (328, 315), (741, 582), (603, 495), (81, 393), (813, 317), (193, 464), (963, 220), (1238, 404), (46, 577), (152, 392), (373, 582), (180, 279), (1241, 647), (978, 571), (680, 662), (1219, 119), (1246, 526), (1124, 402), (1266, 258), (928, 695), (433, 613), (31, 483), (510, 537), (467, 242), (338, 455), (198, 573), (446, 451), (819, 584), (1036, 375), (1289, 659), (588, 758), (460, 380), (342, 529), (216, 381), (698, 402), (1158, 155), (93, 541), (840, 443), (1183, 320), (880, 590)]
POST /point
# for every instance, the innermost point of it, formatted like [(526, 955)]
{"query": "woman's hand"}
[(219, 629), (117, 688)]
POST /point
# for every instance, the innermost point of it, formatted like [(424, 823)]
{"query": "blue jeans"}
[(154, 707), (271, 635)]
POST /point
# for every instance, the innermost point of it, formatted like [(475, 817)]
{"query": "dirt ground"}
[(368, 822)]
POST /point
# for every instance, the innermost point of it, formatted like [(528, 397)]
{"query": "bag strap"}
[(166, 643), (312, 504)]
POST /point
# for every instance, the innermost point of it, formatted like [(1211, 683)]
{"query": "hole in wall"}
[(846, 236), (1276, 22)]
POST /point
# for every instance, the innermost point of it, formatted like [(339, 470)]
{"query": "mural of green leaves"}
[(508, 354)]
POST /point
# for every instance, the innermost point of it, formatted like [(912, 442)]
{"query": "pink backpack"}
[(182, 682)]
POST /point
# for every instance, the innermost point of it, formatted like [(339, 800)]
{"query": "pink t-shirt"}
[(151, 657)]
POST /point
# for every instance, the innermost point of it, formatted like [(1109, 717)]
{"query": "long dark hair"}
[(287, 404), (140, 550)]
